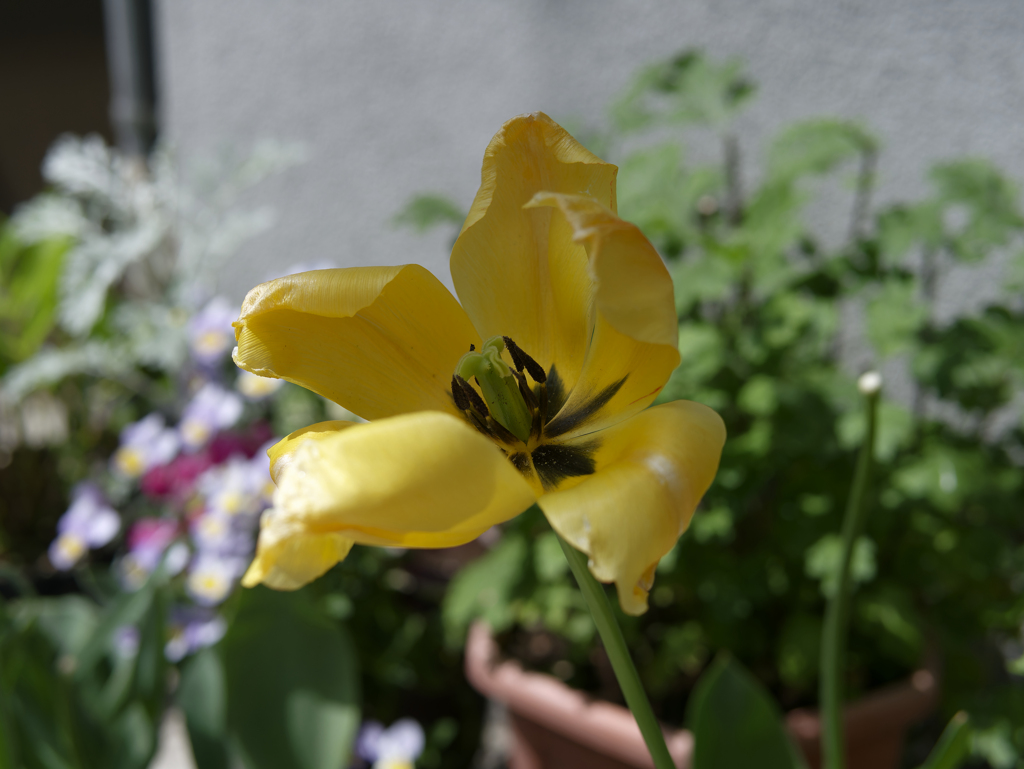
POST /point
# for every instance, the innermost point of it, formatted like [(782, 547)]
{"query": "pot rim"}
[(611, 728)]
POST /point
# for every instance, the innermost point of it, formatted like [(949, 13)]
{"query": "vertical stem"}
[(618, 653), (733, 183), (929, 284), (862, 196), (837, 615)]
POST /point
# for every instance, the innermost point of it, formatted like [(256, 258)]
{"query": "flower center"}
[(509, 409)]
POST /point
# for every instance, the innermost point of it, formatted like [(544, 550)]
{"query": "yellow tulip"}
[(569, 314)]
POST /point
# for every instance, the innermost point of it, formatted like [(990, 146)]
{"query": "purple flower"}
[(210, 335), (236, 487), (396, 747), (211, 409), (145, 444), (88, 523), (126, 641), (220, 534), (212, 577), (150, 541), (192, 628)]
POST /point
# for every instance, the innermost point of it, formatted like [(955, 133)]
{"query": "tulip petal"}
[(289, 556), (652, 471), (283, 452), (518, 271), (377, 340), (416, 480), (634, 346)]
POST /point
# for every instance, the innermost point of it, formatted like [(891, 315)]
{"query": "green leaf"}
[(702, 279), (988, 200), (953, 746), (816, 146), (292, 683), (716, 523), (28, 293), (894, 431), (894, 317), (735, 723), (67, 622), (202, 697), (903, 226), (995, 744), (759, 396), (483, 590), (127, 609), (824, 559), (424, 212), (548, 560), (688, 88)]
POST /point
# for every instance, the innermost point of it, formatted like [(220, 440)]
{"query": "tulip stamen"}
[(499, 389), (522, 360), (525, 391), (468, 400), (499, 431)]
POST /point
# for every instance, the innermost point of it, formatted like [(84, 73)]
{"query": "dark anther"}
[(461, 401), (522, 360), (472, 347), (515, 352), (471, 395), (479, 424), (500, 432), (525, 391)]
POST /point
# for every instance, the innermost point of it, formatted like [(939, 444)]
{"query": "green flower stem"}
[(622, 663), (837, 615)]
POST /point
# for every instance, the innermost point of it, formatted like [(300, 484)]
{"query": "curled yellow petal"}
[(652, 471), (634, 345), (283, 452), (518, 272), (377, 340), (417, 480), (289, 556)]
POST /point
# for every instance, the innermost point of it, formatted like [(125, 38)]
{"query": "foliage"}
[(107, 276), (283, 684), (736, 723), (765, 302), (28, 293), (143, 248), (71, 696), (423, 212)]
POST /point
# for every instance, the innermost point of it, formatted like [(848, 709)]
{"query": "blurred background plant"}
[(779, 311), (134, 473)]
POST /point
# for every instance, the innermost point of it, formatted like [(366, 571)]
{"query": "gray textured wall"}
[(394, 97)]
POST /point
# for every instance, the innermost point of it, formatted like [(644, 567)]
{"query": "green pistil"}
[(498, 386)]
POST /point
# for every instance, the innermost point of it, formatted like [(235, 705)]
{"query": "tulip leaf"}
[(292, 684), (202, 696), (736, 723), (953, 746)]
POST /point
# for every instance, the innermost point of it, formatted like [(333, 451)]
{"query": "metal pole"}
[(129, 28)]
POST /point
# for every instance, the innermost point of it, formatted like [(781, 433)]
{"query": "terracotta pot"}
[(555, 727)]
